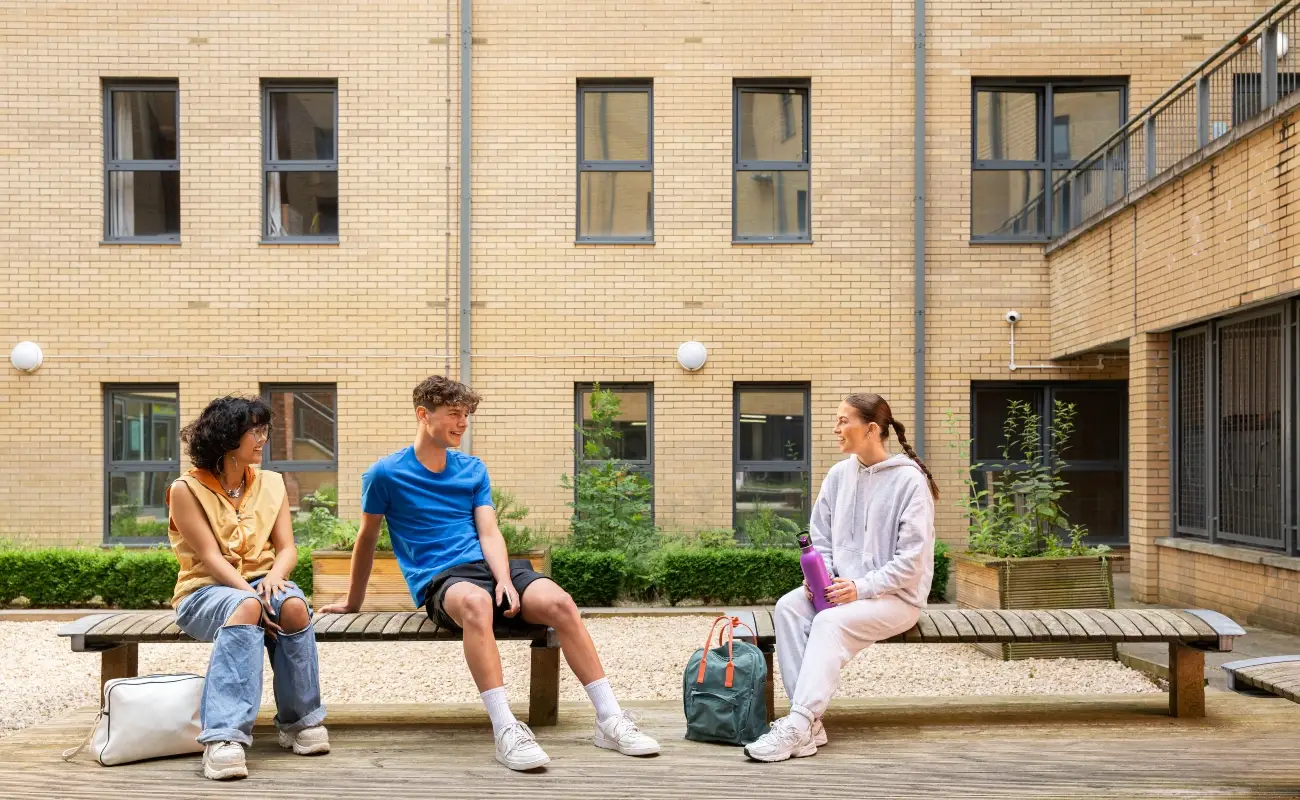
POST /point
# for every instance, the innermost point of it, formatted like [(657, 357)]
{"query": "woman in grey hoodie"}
[(873, 524)]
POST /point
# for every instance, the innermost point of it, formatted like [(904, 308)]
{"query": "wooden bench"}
[(1271, 675), (117, 637), (1190, 634)]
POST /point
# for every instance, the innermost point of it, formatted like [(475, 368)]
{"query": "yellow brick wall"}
[(369, 313)]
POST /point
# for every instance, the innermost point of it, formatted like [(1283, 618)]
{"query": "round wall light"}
[(692, 355), (26, 356)]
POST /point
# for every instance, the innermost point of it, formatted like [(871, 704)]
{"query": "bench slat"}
[(995, 622), (160, 623), (146, 621), (1184, 628), (1037, 630), (1099, 618), (393, 628), (1056, 632), (1127, 629), (113, 626), (965, 628), (172, 632), (1199, 625), (1166, 628), (1146, 628), (766, 629), (412, 624), (375, 630), (324, 623), (1072, 627), (1089, 625), (359, 624), (1017, 623), (925, 626), (947, 631)]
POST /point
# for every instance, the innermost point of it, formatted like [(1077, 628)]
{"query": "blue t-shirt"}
[(430, 514)]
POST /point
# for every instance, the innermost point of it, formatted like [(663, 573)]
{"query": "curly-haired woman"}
[(230, 529)]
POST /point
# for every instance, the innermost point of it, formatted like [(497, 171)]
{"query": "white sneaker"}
[(620, 733), (819, 733), (306, 742), (783, 741), (517, 748), (223, 761)]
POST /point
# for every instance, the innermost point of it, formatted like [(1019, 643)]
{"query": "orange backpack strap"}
[(704, 653)]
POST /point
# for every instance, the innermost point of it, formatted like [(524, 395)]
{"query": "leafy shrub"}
[(942, 562), (765, 528), (592, 577), (726, 575), (519, 538)]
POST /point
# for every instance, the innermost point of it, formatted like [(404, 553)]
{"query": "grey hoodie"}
[(875, 525)]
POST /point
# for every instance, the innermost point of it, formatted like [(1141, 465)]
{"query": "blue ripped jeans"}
[(232, 692)]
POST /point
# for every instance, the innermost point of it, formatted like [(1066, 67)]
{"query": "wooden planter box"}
[(386, 590), (1075, 582)]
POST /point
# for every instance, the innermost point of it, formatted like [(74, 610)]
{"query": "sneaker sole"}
[(229, 773), (308, 750), (810, 750), (543, 761), (820, 741), (610, 744)]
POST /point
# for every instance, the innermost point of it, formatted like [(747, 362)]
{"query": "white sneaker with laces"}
[(819, 733), (306, 742), (783, 741), (620, 733), (517, 748), (223, 761)]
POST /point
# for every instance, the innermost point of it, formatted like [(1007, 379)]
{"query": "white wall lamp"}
[(26, 356), (692, 355)]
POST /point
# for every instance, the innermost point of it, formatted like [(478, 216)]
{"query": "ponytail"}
[(907, 448)]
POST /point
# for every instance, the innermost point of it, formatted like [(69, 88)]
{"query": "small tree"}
[(510, 514), (611, 505), (1021, 516)]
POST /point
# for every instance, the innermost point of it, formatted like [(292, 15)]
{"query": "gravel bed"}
[(644, 656)]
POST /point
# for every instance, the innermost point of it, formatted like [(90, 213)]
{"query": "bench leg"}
[(120, 662), (544, 687), (1186, 681), (771, 687)]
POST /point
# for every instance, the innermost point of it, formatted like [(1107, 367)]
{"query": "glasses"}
[(261, 433)]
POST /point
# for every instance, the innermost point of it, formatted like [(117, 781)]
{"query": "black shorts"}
[(478, 573)]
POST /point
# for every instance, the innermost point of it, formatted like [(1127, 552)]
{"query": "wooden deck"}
[(1112, 747)]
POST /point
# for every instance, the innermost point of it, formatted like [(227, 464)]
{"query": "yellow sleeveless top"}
[(242, 527)]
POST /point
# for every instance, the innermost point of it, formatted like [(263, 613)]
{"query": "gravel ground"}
[(40, 677)]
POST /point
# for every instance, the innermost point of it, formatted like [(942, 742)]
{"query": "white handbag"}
[(147, 717)]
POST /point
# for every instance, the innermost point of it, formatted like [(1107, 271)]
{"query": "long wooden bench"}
[(117, 637), (1270, 675), (1190, 634)]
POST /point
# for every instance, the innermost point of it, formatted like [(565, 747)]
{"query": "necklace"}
[(234, 493)]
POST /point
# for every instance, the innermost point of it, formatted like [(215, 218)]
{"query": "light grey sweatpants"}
[(813, 648)]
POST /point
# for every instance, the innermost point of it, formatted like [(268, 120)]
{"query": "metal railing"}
[(1230, 88)]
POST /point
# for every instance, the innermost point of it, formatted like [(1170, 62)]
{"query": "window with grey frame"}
[(615, 162), (772, 466), (1025, 134), (1095, 457), (772, 173), (303, 446), (142, 457), (1234, 448), (300, 162), (634, 446), (142, 179)]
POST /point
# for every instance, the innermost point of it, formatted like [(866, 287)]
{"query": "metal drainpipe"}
[(918, 234), (466, 61)]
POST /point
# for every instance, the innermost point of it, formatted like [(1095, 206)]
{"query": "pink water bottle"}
[(814, 572)]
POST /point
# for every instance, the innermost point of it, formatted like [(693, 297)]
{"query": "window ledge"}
[(323, 240), (141, 240), (1244, 555), (759, 241), (614, 241)]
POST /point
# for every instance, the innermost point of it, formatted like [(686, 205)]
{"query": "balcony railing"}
[(1246, 77)]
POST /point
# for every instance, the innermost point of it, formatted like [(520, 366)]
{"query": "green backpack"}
[(724, 689)]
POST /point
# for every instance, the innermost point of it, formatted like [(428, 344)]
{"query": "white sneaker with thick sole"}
[(783, 741), (306, 742), (819, 733), (620, 733), (517, 748), (223, 761)]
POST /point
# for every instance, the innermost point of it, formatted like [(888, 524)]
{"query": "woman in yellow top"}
[(230, 528)]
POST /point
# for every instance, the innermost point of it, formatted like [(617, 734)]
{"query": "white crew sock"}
[(498, 708), (801, 719), (602, 697)]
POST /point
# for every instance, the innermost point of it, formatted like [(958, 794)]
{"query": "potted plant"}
[(1022, 551), (330, 541)]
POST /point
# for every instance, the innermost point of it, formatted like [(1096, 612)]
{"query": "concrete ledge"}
[(1242, 554)]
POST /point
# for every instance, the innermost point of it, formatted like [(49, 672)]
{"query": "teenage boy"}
[(443, 526)]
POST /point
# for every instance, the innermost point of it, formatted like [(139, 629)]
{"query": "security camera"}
[(1012, 316)]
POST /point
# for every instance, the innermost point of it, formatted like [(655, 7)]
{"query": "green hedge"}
[(591, 577), (727, 575), (53, 577), (942, 561)]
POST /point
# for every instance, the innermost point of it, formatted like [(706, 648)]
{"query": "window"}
[(142, 457), (300, 162), (142, 178), (771, 175), (1096, 457), (615, 162), (304, 441), (1234, 423), (1024, 135), (772, 463), (634, 424)]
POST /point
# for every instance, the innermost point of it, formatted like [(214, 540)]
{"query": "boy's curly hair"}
[(219, 428), (437, 391)]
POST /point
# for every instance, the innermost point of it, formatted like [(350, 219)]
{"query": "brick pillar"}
[(1148, 452)]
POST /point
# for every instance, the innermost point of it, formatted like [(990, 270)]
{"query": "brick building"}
[(203, 198)]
